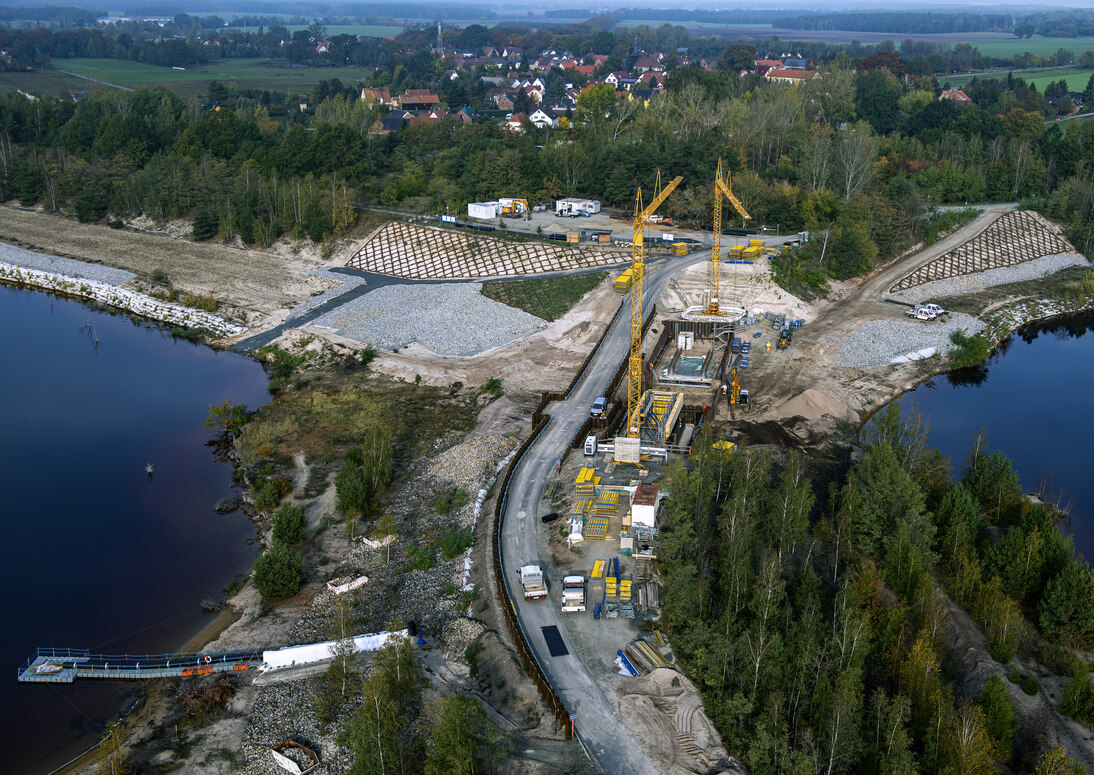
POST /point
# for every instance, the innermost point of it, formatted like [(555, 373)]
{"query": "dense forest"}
[(819, 632), (902, 22)]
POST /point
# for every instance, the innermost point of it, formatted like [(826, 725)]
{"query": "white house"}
[(542, 118)]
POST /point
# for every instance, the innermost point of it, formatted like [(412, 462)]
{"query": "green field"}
[(1076, 78), (548, 298), (246, 73), (1040, 46), (372, 30)]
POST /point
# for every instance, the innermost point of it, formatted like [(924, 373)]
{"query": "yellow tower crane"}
[(721, 188), (638, 269)]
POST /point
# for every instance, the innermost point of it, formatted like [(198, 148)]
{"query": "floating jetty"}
[(63, 666)]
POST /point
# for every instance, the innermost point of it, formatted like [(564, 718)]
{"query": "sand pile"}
[(812, 405)]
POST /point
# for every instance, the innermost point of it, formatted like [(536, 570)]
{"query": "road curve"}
[(600, 728)]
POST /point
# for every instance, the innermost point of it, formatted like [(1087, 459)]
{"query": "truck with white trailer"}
[(573, 593), (531, 578)]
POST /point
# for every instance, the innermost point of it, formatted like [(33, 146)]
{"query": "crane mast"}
[(638, 268), (721, 188)]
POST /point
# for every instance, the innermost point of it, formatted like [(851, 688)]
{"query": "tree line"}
[(818, 632), (856, 157)]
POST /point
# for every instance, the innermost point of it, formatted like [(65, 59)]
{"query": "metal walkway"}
[(63, 666)]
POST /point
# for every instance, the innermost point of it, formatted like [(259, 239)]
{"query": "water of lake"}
[(1031, 399), (100, 555)]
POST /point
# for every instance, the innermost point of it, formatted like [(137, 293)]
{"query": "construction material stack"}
[(586, 482), (623, 282)]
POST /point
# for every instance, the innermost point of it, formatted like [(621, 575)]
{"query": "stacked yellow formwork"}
[(610, 588), (625, 590), (736, 253), (623, 282), (752, 253), (679, 248), (598, 569), (586, 482), (607, 504), (756, 243)]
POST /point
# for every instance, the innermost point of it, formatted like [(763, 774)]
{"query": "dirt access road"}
[(810, 362)]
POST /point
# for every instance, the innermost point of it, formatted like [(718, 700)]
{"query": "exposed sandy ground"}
[(250, 285)]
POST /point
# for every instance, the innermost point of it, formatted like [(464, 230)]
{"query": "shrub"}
[(289, 524), (453, 500), (471, 655), (421, 557), (1015, 675), (1029, 685), (968, 350), (158, 276), (270, 493), (491, 386), (998, 715), (452, 543), (278, 572), (349, 484)]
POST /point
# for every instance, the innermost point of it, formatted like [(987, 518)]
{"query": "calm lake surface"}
[(1033, 398), (98, 554)]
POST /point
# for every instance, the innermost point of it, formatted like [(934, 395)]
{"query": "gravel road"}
[(446, 318), (45, 263)]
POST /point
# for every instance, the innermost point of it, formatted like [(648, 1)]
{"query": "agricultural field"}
[(246, 73), (549, 298), (1076, 78), (1040, 46)]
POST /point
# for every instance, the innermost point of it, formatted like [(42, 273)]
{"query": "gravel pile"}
[(1030, 270), (880, 341), (345, 283), (447, 318), (10, 254), (469, 465), (287, 711)]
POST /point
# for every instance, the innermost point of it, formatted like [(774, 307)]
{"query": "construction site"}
[(672, 341)]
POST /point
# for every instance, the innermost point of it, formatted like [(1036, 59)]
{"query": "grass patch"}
[(323, 421), (453, 500), (246, 73), (453, 543), (1065, 284), (1009, 47), (471, 655), (548, 298)]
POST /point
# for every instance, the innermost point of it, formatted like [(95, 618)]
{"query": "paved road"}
[(603, 732)]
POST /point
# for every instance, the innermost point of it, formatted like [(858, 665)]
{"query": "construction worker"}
[(725, 389), (769, 346)]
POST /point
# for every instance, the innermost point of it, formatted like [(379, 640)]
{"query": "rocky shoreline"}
[(120, 298)]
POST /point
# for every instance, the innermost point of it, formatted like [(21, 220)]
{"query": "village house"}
[(418, 99), (782, 75), (957, 95)]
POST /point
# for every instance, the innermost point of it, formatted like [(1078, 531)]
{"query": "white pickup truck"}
[(531, 578), (926, 312), (573, 593)]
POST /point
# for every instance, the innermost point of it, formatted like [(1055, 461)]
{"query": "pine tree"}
[(998, 715), (1067, 607), (1088, 94)]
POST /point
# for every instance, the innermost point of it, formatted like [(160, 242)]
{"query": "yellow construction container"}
[(573, 236)]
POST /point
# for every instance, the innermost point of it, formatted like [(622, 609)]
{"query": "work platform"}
[(63, 666)]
